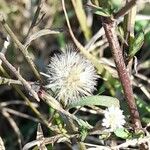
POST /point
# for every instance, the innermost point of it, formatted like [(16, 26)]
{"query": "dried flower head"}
[(114, 118), (72, 76)]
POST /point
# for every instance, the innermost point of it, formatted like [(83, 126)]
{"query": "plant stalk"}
[(109, 27)]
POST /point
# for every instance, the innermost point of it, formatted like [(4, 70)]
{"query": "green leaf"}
[(104, 135), (84, 124), (136, 45), (122, 133), (102, 12), (120, 34), (83, 133), (146, 120), (99, 10), (143, 107), (101, 89), (106, 101), (138, 134)]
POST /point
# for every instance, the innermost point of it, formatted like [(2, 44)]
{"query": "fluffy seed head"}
[(72, 76), (113, 118)]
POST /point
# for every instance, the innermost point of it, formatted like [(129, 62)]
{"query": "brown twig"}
[(34, 20), (125, 9), (30, 104), (9, 81), (52, 102), (20, 114), (17, 74), (20, 46), (14, 127), (109, 27), (133, 142)]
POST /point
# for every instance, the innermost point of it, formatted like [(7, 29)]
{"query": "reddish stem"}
[(109, 27)]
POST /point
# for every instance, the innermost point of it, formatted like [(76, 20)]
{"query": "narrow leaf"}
[(84, 124), (137, 44), (122, 133), (99, 10), (39, 34), (106, 101), (144, 107)]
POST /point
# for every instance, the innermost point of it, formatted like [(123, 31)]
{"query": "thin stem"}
[(38, 114), (52, 102), (35, 18), (81, 16), (20, 46), (14, 127), (125, 9), (9, 81), (109, 27), (17, 74), (56, 105)]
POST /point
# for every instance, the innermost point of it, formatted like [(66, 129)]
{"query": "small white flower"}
[(114, 118), (72, 76)]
